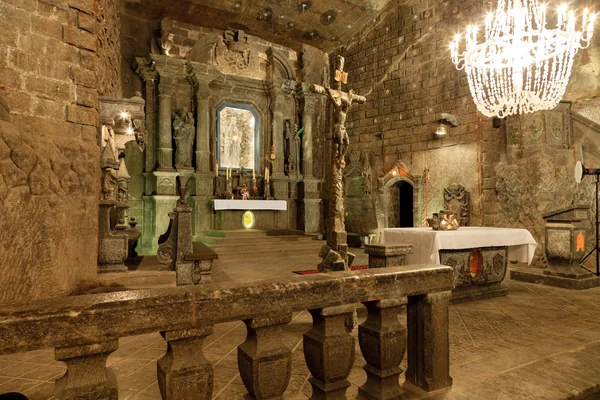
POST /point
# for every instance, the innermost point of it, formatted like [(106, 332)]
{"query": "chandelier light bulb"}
[(521, 66)]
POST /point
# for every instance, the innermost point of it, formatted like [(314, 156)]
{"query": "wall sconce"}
[(447, 119)]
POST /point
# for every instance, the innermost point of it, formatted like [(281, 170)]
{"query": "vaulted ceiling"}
[(325, 24)]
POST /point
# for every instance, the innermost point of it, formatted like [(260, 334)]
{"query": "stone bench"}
[(202, 256), (84, 330)]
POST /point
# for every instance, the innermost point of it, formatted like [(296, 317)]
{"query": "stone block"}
[(46, 27), (11, 79), (79, 38), (86, 22), (387, 255), (83, 77), (49, 108), (88, 60), (86, 97), (82, 5), (82, 115), (51, 89)]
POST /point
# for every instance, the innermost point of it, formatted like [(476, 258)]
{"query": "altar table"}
[(224, 204), (479, 255)]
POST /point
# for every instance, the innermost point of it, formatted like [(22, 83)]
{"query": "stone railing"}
[(85, 330)]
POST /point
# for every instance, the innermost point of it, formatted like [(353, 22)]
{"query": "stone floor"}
[(536, 343)]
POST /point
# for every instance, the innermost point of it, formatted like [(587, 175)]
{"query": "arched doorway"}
[(405, 205)]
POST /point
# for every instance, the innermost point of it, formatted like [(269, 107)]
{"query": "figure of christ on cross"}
[(335, 255)]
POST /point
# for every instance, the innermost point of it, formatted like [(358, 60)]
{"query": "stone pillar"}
[(87, 376), (428, 341), (203, 162), (150, 152), (311, 101), (183, 372), (382, 342), (329, 351), (387, 255), (165, 134), (265, 364)]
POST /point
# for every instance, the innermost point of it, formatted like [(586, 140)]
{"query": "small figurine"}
[(245, 193)]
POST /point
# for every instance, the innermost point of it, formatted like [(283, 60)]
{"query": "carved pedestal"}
[(265, 364), (183, 372), (382, 342), (87, 377), (112, 245), (329, 350)]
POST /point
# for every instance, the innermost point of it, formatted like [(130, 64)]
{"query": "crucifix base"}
[(333, 260)]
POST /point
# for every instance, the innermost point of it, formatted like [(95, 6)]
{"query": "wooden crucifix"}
[(335, 255)]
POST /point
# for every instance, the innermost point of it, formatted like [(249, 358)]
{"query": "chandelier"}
[(522, 66)]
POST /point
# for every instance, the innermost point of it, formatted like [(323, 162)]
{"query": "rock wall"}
[(51, 62)]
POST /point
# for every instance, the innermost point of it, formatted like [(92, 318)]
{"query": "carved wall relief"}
[(456, 199)]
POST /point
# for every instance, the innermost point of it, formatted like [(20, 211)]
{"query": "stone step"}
[(250, 233), (269, 249), (214, 241)]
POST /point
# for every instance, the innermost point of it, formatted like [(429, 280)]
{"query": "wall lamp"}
[(445, 121)]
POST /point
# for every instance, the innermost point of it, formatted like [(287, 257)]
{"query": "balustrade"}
[(85, 330)]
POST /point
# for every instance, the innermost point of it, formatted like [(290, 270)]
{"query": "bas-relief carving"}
[(456, 200), (292, 153), (476, 266)]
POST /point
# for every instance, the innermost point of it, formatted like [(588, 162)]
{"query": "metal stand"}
[(595, 250)]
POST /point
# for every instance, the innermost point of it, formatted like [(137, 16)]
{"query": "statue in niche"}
[(341, 106), (183, 134), (293, 149)]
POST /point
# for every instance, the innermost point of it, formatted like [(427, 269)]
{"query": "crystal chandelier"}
[(522, 66)]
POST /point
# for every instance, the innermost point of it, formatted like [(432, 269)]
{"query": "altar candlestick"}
[(216, 170), (253, 175)]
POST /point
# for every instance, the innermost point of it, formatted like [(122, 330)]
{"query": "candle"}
[(216, 170), (253, 175)]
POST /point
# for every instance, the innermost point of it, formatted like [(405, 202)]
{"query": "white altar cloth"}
[(224, 204), (427, 242)]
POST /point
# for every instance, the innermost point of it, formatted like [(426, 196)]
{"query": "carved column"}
[(87, 376), (428, 341), (329, 351), (183, 372), (203, 129), (147, 71), (165, 134), (311, 102), (265, 364), (382, 342)]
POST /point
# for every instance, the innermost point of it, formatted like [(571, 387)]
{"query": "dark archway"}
[(405, 205)]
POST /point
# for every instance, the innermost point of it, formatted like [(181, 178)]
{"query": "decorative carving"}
[(292, 165), (232, 50), (183, 134), (456, 201)]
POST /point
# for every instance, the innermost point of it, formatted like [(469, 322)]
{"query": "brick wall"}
[(50, 60), (403, 66)]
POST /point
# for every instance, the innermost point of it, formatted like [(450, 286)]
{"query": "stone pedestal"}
[(387, 255), (112, 245), (329, 350), (265, 364), (183, 372), (280, 187), (87, 376), (565, 247)]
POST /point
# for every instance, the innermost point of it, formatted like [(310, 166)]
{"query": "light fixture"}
[(522, 66), (442, 130)]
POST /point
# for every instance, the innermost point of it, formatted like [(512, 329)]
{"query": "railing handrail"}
[(94, 318)]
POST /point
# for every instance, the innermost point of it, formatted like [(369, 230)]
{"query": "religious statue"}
[(335, 255), (183, 134), (245, 193), (340, 136), (293, 148)]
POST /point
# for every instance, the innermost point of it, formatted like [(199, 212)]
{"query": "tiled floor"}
[(536, 343)]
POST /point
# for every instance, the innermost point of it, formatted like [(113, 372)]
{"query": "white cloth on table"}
[(224, 204), (427, 243)]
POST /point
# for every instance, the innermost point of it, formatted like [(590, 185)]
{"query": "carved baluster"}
[(382, 341), (428, 341), (329, 352), (265, 364), (87, 376), (183, 372)]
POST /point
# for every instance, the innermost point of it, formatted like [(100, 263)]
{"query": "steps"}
[(257, 243)]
